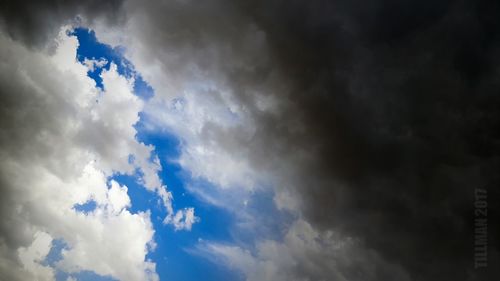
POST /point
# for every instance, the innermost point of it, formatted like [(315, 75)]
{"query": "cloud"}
[(305, 254), (375, 121), (183, 219), (94, 64), (37, 23), (61, 139), (34, 254)]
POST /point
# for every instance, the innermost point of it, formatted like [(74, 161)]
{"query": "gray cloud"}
[(36, 22)]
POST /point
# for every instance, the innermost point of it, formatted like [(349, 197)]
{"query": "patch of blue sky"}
[(254, 214), (174, 262), (266, 221), (86, 207), (91, 49), (55, 253)]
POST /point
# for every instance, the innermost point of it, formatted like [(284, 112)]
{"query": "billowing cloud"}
[(61, 139)]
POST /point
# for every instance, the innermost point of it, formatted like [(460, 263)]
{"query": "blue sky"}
[(173, 255)]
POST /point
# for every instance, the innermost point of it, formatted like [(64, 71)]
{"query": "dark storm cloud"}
[(400, 103), (397, 109), (35, 22)]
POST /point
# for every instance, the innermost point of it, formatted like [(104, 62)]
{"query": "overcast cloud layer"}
[(372, 124)]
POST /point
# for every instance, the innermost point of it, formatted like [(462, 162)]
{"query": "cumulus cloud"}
[(33, 255), (61, 139)]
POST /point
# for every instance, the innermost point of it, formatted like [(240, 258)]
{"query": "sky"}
[(249, 140)]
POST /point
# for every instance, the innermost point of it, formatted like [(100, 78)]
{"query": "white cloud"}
[(118, 198), (200, 119), (111, 244), (34, 254), (93, 64), (183, 219), (61, 139)]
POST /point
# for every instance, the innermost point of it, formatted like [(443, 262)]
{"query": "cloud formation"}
[(36, 23), (372, 121), (56, 133), (306, 254)]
